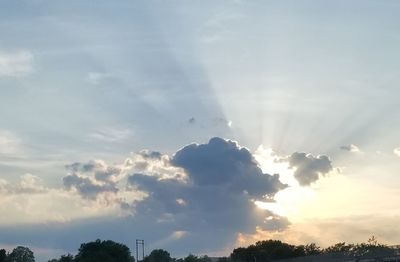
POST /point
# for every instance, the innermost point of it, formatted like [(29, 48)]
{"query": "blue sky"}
[(307, 89)]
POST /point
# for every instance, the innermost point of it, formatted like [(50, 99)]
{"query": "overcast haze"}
[(198, 126)]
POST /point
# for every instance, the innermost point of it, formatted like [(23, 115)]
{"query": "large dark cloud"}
[(309, 168), (223, 163), (222, 181)]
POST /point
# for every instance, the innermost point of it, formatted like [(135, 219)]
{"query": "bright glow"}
[(269, 163), (290, 201), (272, 206), (396, 151), (331, 196), (179, 234), (181, 202)]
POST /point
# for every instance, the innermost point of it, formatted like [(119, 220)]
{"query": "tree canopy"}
[(3, 255), (269, 250), (21, 254), (63, 258), (158, 255), (266, 250), (104, 251)]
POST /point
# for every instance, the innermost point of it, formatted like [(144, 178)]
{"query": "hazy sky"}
[(169, 120)]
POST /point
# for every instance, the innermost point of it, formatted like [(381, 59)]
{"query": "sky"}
[(198, 126)]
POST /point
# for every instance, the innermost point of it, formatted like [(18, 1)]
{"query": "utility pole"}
[(139, 243)]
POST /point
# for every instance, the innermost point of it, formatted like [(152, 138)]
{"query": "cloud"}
[(107, 185), (16, 64), (192, 120), (201, 184), (92, 179), (224, 163), (351, 148), (396, 151), (308, 168), (148, 154), (216, 28), (10, 143), (28, 184), (96, 78), (87, 187), (222, 121), (219, 122), (221, 183), (111, 135)]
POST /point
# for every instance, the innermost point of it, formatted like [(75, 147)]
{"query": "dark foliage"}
[(63, 258), (158, 255), (3, 255), (193, 258), (224, 259), (21, 254), (104, 251), (267, 250), (371, 248)]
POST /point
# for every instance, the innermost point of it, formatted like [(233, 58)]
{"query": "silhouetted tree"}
[(371, 248), (66, 258), (266, 250), (104, 251), (63, 258), (3, 255), (204, 259), (224, 259), (339, 248), (21, 254), (190, 258), (158, 255), (312, 249)]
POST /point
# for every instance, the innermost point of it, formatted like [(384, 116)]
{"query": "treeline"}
[(99, 251), (270, 250), (262, 251), (19, 254)]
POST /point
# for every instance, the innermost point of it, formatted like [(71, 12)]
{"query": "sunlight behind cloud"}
[(396, 151), (289, 201)]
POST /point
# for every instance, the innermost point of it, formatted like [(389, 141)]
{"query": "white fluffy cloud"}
[(28, 184), (111, 135), (10, 143), (98, 78), (16, 64)]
